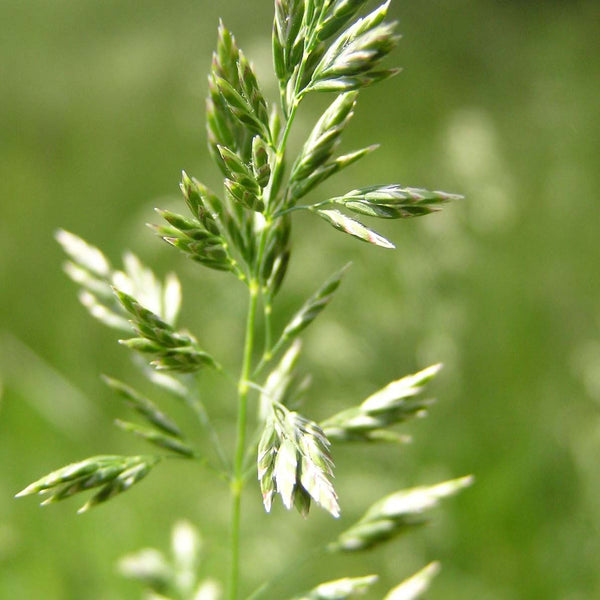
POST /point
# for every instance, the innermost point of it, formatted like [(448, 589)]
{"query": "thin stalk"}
[(281, 213), (244, 386), (237, 480), (268, 356)]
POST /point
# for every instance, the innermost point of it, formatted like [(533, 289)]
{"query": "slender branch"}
[(268, 356), (268, 309), (294, 566), (197, 406), (281, 213), (202, 461), (249, 458)]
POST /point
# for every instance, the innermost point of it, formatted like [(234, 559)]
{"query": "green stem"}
[(237, 481)]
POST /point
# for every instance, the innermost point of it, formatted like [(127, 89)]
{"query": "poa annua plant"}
[(319, 46)]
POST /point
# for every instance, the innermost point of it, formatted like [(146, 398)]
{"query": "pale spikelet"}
[(209, 589), (122, 482), (278, 386), (90, 269), (396, 514), (251, 92), (285, 472), (186, 548), (96, 306), (235, 104), (139, 281), (148, 566), (268, 447), (352, 59), (261, 158), (353, 227), (414, 587), (69, 473), (313, 306), (394, 201), (340, 12), (169, 349), (340, 589), (287, 41), (294, 459), (395, 403), (186, 544), (240, 107), (241, 182), (224, 224), (84, 254), (236, 113), (301, 187), (324, 137), (175, 576), (113, 474), (397, 391), (193, 239)]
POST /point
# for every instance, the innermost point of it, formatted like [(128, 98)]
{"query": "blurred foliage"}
[(102, 106)]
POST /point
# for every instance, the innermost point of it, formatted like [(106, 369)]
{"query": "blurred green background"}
[(101, 106)]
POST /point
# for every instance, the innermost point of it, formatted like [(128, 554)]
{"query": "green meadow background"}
[(102, 105)]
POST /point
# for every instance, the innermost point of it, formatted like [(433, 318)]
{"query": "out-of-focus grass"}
[(102, 105)]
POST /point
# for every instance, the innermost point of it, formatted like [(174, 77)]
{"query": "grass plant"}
[(319, 46)]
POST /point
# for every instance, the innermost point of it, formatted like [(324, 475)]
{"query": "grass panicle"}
[(245, 229)]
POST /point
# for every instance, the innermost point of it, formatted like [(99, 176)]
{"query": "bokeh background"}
[(101, 106)]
